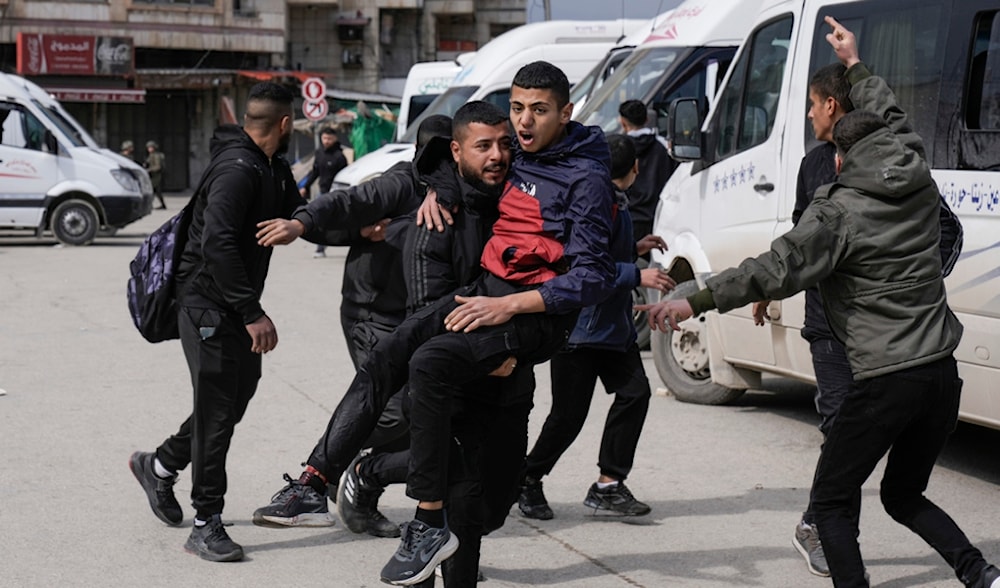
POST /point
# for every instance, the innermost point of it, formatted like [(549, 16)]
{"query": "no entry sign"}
[(314, 89)]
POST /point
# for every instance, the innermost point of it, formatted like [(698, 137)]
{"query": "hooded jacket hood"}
[(881, 164), (643, 143), (232, 136)]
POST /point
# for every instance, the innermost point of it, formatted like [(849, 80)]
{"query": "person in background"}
[(829, 101), (327, 163), (373, 303), (128, 149), (602, 345), (155, 164), (224, 330), (655, 165)]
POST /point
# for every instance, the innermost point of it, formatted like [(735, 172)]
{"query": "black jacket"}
[(222, 265), (817, 168), (437, 263), (655, 168), (372, 280), (327, 163)]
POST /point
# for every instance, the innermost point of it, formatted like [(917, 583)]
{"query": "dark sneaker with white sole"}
[(298, 504), (617, 499), (531, 501), (420, 551), (806, 542), (988, 578), (211, 542), (357, 504), (159, 491)]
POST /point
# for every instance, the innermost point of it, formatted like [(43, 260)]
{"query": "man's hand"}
[(667, 314), (433, 214), (654, 277), (263, 335), (843, 42), (303, 192), (376, 232), (279, 231), (760, 312), (650, 242), (478, 311)]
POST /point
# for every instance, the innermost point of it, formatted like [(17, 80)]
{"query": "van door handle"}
[(764, 187)]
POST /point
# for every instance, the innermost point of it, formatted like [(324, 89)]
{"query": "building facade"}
[(171, 70)]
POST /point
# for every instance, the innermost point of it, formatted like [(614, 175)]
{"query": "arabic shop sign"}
[(39, 54)]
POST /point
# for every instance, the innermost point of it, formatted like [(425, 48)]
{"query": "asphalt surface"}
[(81, 391)]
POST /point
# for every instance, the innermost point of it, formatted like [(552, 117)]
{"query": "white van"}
[(737, 191), (54, 174), (425, 82), (687, 55), (596, 77), (573, 46)]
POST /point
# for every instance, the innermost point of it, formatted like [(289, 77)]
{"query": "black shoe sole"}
[(216, 557)]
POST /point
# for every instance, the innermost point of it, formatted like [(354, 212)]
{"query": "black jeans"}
[(224, 374), (833, 383), (909, 414), (362, 331), (479, 498), (529, 337), (574, 375)]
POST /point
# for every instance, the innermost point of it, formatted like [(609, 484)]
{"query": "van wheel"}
[(75, 222), (640, 296), (682, 360)]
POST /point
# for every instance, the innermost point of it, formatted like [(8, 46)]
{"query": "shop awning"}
[(118, 95), (267, 75)]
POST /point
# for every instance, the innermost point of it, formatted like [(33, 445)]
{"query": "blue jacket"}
[(609, 325), (555, 222)]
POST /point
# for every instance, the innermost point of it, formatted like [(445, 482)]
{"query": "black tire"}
[(681, 359), (75, 222)]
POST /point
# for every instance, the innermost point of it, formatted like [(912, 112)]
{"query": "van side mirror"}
[(684, 141), (50, 143)]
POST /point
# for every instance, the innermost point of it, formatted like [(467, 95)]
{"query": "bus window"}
[(905, 48), (749, 102), (983, 87)]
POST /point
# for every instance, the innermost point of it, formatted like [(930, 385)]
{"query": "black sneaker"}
[(989, 578), (531, 501), (420, 551), (357, 504), (617, 498), (159, 491), (210, 541), (296, 505), (806, 542)]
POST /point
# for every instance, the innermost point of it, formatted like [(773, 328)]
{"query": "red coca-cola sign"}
[(80, 55)]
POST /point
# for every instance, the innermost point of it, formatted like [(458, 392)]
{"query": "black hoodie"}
[(222, 266), (655, 168)]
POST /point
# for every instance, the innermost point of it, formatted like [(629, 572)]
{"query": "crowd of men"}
[(514, 244)]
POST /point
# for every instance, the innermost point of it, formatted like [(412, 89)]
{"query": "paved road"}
[(83, 391)]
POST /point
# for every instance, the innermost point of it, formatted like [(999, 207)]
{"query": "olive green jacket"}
[(870, 241)]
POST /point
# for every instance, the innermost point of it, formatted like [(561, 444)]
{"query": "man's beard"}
[(283, 144), (475, 179)]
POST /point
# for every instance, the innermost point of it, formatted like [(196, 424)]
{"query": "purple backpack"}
[(152, 301)]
